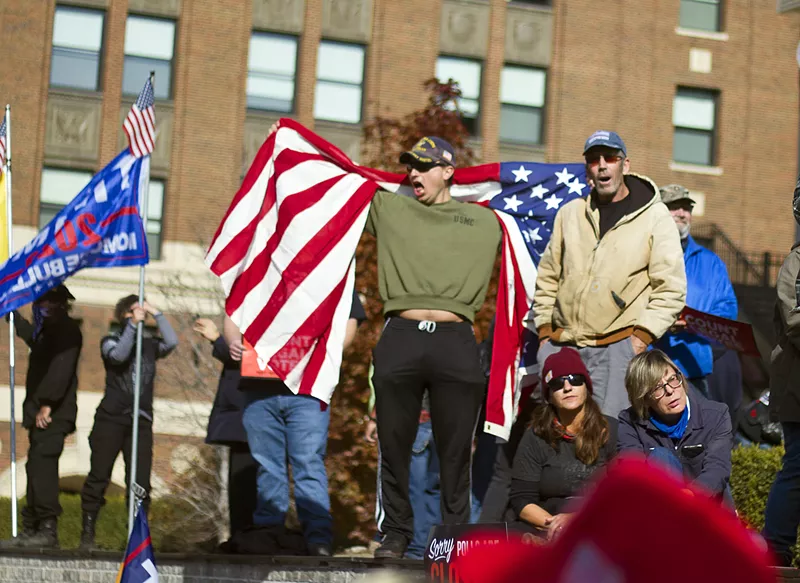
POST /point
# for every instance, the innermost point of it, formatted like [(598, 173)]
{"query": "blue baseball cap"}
[(430, 150), (605, 138)]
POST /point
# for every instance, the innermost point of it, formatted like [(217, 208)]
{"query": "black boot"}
[(46, 537), (29, 530), (87, 532)]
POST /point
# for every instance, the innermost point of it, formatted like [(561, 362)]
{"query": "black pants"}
[(443, 358), (495, 501), (242, 492), (107, 439), (41, 468)]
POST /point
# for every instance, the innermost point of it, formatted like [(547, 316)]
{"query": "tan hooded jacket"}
[(593, 292)]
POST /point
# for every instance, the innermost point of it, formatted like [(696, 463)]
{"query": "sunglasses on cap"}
[(593, 158), (557, 383)]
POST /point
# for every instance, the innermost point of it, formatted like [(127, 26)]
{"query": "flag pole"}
[(11, 329), (137, 380)]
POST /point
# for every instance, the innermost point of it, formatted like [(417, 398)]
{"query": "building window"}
[(155, 210), (58, 189), (149, 46), (522, 94), (271, 68), (340, 80), (60, 186), (534, 2), (467, 74), (77, 45), (701, 15), (694, 114)]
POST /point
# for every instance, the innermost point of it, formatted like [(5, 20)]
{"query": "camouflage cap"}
[(675, 192)]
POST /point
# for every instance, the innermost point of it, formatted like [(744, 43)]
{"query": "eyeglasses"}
[(420, 167), (557, 383), (594, 159), (672, 382)]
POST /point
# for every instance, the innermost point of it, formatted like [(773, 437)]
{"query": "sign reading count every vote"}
[(100, 227)]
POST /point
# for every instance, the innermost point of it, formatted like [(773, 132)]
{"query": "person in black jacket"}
[(49, 410), (678, 427), (225, 427), (113, 421), (568, 441)]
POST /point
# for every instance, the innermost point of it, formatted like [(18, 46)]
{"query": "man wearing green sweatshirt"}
[(435, 259)]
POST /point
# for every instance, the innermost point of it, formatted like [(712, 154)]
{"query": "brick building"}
[(705, 93)]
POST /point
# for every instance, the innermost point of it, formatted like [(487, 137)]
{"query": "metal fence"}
[(758, 269)]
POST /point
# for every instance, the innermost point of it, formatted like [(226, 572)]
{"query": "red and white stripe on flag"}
[(285, 249), (3, 133), (140, 123)]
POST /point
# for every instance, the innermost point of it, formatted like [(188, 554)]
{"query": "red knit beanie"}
[(560, 364)]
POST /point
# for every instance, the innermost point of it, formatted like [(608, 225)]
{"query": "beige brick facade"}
[(613, 66)]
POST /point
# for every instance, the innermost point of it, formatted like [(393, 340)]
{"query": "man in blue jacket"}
[(708, 290)]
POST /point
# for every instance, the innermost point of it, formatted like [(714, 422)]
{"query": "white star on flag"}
[(553, 202), (534, 235), (539, 191), (577, 187), (521, 174), (512, 203), (564, 177)]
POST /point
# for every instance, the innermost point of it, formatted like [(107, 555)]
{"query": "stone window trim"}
[(703, 34)]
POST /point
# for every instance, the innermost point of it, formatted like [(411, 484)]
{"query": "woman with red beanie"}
[(567, 441)]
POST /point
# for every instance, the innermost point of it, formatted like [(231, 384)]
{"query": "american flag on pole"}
[(3, 131), (285, 250), (140, 124)]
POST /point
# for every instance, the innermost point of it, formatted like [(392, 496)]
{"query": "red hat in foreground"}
[(637, 526)]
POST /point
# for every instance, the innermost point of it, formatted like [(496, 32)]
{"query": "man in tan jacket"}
[(612, 279)]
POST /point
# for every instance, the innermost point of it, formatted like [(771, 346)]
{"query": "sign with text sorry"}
[(101, 227)]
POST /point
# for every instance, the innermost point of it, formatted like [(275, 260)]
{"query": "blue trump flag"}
[(139, 565), (101, 227)]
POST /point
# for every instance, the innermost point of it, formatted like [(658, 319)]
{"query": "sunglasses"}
[(594, 159), (421, 167), (556, 384)]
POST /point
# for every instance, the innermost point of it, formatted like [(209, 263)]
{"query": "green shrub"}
[(168, 519), (753, 472)]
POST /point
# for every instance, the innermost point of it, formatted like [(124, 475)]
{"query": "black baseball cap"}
[(59, 294), (430, 150)]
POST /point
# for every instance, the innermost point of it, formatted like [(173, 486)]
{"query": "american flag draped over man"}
[(285, 254)]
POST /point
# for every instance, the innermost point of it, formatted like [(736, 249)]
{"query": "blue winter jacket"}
[(709, 290)]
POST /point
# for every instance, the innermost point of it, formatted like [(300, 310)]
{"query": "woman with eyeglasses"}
[(678, 427), (568, 440)]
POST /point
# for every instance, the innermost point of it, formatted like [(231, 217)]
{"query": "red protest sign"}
[(735, 335), (250, 367)]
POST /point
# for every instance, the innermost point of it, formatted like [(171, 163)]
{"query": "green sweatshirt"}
[(437, 257)]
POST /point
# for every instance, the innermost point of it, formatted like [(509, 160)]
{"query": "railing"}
[(759, 269)]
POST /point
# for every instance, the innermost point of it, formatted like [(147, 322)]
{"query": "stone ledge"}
[(39, 565)]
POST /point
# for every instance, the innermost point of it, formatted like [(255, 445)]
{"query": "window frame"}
[(715, 96), (543, 125), (171, 88), (720, 4), (52, 205), (317, 79), (101, 61), (157, 256), (481, 63), (296, 39)]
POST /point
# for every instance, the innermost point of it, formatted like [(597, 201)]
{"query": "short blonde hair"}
[(645, 371)]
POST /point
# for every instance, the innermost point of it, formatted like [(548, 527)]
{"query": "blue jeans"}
[(423, 489), (782, 514), (293, 426)]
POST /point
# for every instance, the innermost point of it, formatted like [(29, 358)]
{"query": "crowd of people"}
[(618, 372)]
